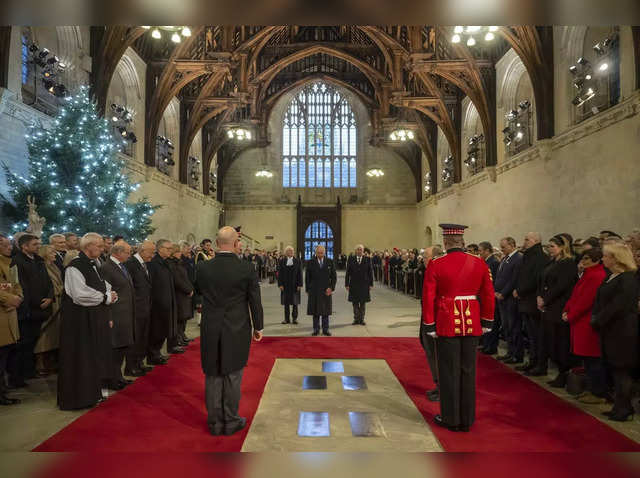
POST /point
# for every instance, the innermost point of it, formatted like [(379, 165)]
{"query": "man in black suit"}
[(320, 281), (534, 260), (137, 267), (59, 243), (113, 270), (231, 314), (164, 313), (504, 285), (490, 340), (359, 280)]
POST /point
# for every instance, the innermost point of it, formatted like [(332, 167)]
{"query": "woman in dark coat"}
[(585, 341), (556, 285), (290, 283), (615, 317), (184, 292)]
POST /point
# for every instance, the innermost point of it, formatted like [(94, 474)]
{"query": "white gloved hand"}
[(432, 334), (485, 330)]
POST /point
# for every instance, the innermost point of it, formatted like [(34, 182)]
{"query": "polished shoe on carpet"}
[(314, 333), (158, 361), (525, 368), (136, 372), (513, 361), (126, 381), (438, 421), (216, 430), (114, 386), (236, 428), (327, 333), (433, 395), (176, 350), (536, 372), (4, 400), (146, 368)]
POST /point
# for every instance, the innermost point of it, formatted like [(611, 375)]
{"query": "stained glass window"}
[(319, 142), (318, 233)]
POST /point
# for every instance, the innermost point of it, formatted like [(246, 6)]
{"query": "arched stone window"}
[(319, 138)]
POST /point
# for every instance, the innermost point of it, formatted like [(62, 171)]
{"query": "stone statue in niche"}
[(36, 223)]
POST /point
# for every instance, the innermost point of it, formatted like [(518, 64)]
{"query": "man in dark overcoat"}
[(290, 283), (114, 271), (359, 280), (231, 314), (320, 282), (164, 323)]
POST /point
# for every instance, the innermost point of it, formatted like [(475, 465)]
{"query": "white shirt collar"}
[(511, 255), (114, 260), (139, 257)]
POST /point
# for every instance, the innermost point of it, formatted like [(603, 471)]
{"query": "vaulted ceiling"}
[(408, 74)]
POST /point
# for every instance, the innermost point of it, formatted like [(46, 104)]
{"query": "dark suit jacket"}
[(317, 280), (493, 264), (123, 311), (534, 260), (164, 321), (359, 278), (142, 286), (507, 275), (556, 285), (231, 303), (184, 288)]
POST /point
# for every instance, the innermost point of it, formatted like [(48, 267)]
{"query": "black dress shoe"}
[(4, 400), (327, 333), (314, 333), (285, 322), (157, 361), (559, 382), (136, 372), (438, 421), (489, 352), (176, 350), (433, 395), (216, 430), (355, 322), (126, 381), (513, 361), (609, 413), (363, 323), (621, 417), (536, 372), (146, 368), (182, 343), (525, 368), (235, 428), (295, 322), (502, 358), (115, 385)]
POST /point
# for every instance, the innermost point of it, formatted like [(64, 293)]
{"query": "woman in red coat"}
[(585, 342)]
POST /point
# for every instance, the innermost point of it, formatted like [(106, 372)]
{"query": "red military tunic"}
[(457, 296)]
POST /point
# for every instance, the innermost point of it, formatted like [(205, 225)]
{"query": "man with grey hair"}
[(320, 282), (358, 281), (139, 272), (85, 345), (115, 272), (59, 244), (164, 317), (231, 315)]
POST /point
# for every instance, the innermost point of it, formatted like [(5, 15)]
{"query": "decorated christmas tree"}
[(76, 178)]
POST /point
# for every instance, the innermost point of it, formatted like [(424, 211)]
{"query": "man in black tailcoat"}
[(359, 280), (137, 265), (164, 322), (231, 314), (320, 281)]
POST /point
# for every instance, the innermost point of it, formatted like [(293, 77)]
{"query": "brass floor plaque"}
[(333, 367), (365, 424), (314, 382), (354, 382), (313, 424)]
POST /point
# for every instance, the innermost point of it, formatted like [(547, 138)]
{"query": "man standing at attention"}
[(320, 281), (458, 306), (231, 314), (359, 280)]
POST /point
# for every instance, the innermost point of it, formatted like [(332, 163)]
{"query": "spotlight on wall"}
[(470, 32), (239, 134), (375, 173), (401, 135)]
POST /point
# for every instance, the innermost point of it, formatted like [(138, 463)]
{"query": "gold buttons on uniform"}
[(458, 321), (457, 330), (469, 321), (470, 330)]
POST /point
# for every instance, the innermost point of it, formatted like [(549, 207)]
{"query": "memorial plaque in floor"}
[(365, 424), (333, 367), (314, 382), (314, 424), (354, 382)]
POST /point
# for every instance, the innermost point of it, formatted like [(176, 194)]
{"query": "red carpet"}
[(164, 411)]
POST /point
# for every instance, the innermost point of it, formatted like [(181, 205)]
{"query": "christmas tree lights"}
[(77, 179)]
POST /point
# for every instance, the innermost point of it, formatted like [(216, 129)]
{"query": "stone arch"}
[(508, 86)]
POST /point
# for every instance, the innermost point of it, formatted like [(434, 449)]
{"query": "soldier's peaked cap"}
[(452, 229)]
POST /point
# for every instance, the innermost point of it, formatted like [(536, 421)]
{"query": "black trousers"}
[(4, 356), (491, 340), (287, 312), (359, 309), (222, 398), (512, 327), (594, 368), (457, 379), (153, 351), (117, 356), (623, 385), (135, 354), (325, 323), (555, 344), (532, 326), (429, 344), (22, 362)]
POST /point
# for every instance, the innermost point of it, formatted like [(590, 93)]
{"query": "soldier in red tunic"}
[(458, 304)]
